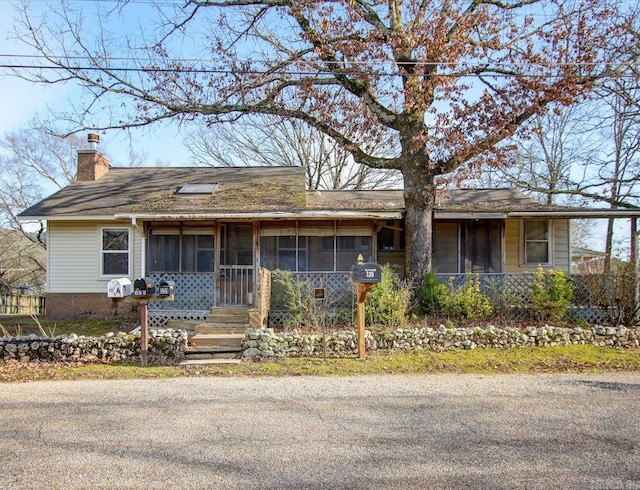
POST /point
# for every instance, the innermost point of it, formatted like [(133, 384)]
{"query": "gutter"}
[(600, 213), (31, 219), (325, 214)]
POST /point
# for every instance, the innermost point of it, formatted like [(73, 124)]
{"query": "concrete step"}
[(208, 362), (213, 352), (212, 355)]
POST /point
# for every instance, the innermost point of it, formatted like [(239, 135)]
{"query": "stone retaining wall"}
[(266, 342), (166, 346)]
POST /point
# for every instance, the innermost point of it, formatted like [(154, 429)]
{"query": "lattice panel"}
[(159, 318), (194, 298), (512, 294), (280, 318), (339, 291)]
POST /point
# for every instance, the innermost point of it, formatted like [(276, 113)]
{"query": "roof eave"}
[(31, 219), (577, 214), (316, 214)]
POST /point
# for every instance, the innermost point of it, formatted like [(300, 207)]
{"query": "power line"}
[(450, 64), (466, 69), (211, 71)]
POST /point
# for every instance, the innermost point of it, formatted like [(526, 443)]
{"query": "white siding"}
[(561, 249), (74, 256), (513, 246)]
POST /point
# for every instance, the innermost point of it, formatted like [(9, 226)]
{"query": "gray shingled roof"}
[(247, 190), (154, 190)]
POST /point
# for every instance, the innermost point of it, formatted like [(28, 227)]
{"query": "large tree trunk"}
[(419, 197)]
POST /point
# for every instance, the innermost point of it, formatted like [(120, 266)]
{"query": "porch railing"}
[(236, 285), (510, 295)]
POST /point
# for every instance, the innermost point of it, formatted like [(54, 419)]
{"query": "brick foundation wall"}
[(79, 306)]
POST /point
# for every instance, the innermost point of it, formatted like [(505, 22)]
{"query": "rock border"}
[(268, 343), (166, 347)]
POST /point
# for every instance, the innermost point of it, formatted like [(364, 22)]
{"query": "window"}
[(537, 241), (115, 252), (391, 237)]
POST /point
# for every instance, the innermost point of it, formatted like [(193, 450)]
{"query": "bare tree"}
[(33, 163), (265, 142), (442, 83), (553, 161), (621, 172), (589, 152), (22, 261)]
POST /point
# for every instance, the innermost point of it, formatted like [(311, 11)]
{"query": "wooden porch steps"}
[(217, 340), (187, 325), (219, 328), (220, 336)]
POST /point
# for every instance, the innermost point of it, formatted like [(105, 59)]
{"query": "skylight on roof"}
[(197, 189)]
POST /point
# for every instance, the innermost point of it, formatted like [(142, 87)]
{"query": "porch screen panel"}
[(278, 252), (353, 239), (197, 253), (348, 249), (164, 253), (445, 247), (483, 246), (237, 244), (319, 252)]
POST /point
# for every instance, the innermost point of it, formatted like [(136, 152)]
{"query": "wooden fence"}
[(21, 304)]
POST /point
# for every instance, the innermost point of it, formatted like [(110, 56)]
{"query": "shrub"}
[(389, 301), (615, 294), (298, 299), (430, 293), (552, 294), (465, 300)]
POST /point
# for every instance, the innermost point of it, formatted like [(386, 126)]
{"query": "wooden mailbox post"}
[(365, 275), (143, 291)]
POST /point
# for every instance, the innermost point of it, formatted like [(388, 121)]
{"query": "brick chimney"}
[(91, 163)]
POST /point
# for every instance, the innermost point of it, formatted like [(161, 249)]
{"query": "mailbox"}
[(166, 288), (143, 286), (368, 273), (119, 288)]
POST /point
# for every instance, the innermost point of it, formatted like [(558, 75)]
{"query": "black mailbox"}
[(368, 273), (143, 286), (166, 288)]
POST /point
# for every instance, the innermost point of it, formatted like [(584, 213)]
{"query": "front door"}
[(236, 271)]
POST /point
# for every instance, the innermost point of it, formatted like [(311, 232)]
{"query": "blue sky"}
[(23, 100)]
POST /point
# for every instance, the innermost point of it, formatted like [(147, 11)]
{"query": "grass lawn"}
[(577, 358)]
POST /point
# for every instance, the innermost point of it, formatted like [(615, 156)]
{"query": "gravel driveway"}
[(433, 431)]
